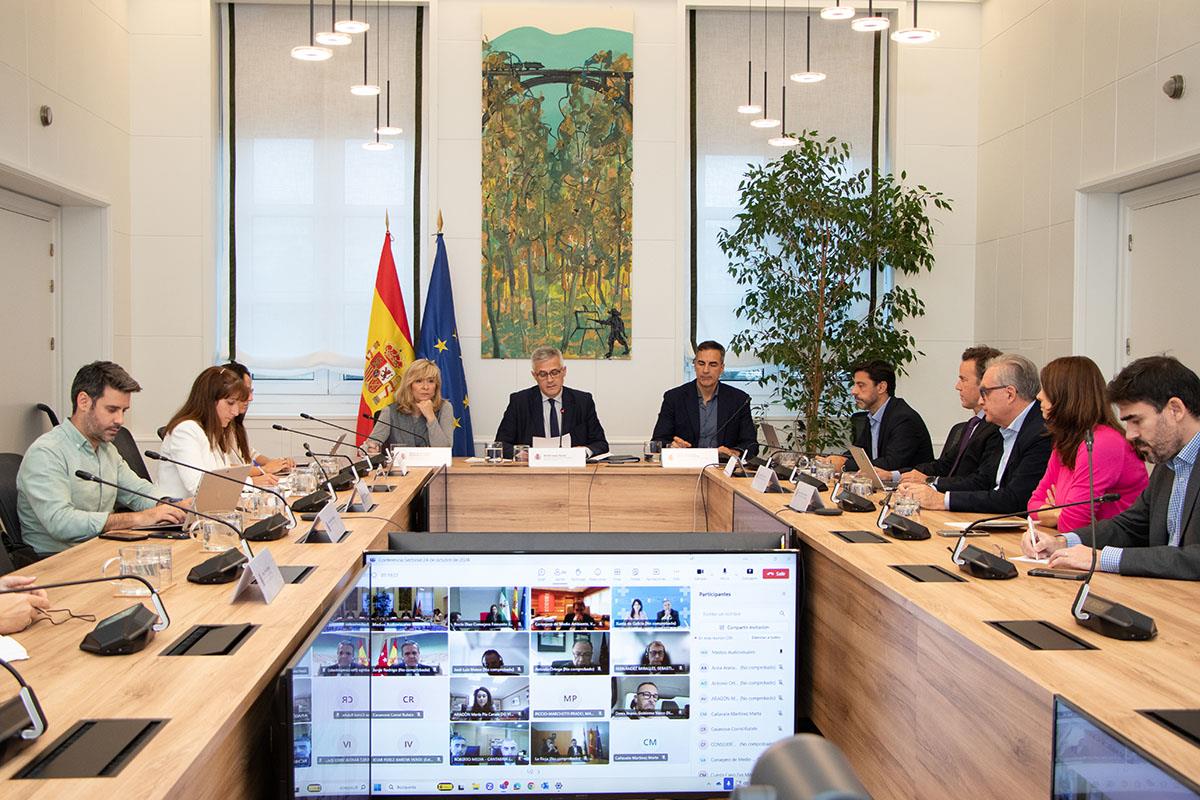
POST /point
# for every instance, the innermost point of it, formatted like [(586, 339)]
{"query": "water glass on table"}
[(652, 452), (217, 537), (494, 453), (150, 561)]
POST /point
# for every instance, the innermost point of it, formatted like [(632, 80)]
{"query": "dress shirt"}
[(1009, 434), (708, 419), (58, 510), (876, 419), (968, 432), (1181, 465)]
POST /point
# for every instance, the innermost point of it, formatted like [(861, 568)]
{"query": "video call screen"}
[(653, 674)]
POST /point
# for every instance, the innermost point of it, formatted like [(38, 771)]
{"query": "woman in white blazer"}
[(201, 432)]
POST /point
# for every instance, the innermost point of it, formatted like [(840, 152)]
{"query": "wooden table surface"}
[(218, 707), (926, 697)]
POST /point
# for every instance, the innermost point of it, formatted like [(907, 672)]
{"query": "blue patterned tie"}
[(554, 431)]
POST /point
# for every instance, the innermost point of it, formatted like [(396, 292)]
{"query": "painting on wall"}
[(557, 181)]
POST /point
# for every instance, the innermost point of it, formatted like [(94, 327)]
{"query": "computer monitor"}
[(1092, 761), (587, 674)]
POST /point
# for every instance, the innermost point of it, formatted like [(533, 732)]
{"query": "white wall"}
[(1074, 98)]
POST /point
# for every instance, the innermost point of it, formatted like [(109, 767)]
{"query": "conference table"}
[(909, 679)]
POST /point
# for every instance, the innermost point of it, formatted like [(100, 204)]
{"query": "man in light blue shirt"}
[(1158, 400), (58, 510)]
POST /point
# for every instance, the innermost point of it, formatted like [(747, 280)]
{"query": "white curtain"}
[(309, 200), (726, 144)]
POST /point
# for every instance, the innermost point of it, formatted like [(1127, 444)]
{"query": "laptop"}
[(865, 467), (214, 494), (770, 436)]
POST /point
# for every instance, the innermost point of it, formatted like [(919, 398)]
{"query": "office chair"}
[(20, 553), (49, 412), (128, 449)]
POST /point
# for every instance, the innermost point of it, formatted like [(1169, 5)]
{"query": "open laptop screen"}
[(567, 674)]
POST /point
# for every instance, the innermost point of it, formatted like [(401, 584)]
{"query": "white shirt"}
[(187, 443)]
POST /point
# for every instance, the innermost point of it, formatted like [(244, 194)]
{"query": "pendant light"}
[(311, 51), (808, 76), (387, 129), (377, 145), (366, 88), (749, 107), (764, 121), (333, 37), (784, 139), (837, 11), (872, 21), (351, 25), (915, 34)]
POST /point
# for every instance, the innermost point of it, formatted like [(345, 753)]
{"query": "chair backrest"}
[(6, 562), (49, 412), (10, 463), (128, 449), (162, 432)]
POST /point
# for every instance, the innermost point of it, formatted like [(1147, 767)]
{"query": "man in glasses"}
[(551, 410), (1004, 481), (706, 412)]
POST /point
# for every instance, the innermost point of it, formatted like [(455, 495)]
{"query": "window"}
[(726, 145), (307, 201)]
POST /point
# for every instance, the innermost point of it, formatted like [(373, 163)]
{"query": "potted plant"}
[(810, 234)]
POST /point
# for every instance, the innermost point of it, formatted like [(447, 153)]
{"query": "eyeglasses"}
[(983, 390), (542, 375), (651, 695)]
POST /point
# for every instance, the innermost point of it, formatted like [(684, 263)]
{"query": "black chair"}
[(6, 562), (162, 432), (15, 548), (49, 412), (128, 449)]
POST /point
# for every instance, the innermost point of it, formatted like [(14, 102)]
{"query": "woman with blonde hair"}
[(420, 416), (201, 433)]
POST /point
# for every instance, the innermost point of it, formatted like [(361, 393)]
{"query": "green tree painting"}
[(557, 189)]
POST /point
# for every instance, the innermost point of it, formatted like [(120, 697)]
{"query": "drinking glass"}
[(494, 453), (652, 452), (214, 536), (521, 453), (906, 505), (150, 561)]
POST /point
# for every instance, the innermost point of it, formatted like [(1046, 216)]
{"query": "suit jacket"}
[(903, 438), (671, 618), (523, 420), (985, 437), (1142, 530), (1024, 470), (680, 416)]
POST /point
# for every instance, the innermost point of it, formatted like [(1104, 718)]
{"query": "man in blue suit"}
[(706, 412), (550, 409)]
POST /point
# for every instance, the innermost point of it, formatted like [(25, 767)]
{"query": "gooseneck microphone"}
[(122, 633), (396, 427), (273, 527), (982, 564), (87, 476), (33, 709), (1106, 617), (344, 479), (311, 418)]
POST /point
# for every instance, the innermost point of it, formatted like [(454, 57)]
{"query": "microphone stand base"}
[(1116, 621)]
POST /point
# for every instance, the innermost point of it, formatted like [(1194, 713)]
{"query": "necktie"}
[(972, 423), (554, 430)]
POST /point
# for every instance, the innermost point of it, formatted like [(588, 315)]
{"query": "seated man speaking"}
[(705, 412), (551, 410), (57, 509), (888, 429)]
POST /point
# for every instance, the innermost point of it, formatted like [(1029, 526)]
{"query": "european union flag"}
[(439, 343)]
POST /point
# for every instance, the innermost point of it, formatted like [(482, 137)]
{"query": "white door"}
[(27, 314), (1162, 280)]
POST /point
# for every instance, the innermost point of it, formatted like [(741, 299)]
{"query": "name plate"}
[(329, 521), (261, 578), (731, 466), (405, 457), (805, 498), (557, 457), (765, 480), (689, 457)]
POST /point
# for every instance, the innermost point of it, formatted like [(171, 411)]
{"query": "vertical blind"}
[(726, 145), (308, 200)]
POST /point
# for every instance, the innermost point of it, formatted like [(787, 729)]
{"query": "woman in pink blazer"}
[(1074, 402)]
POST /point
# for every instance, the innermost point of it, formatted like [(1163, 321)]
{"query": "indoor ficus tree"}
[(809, 235)]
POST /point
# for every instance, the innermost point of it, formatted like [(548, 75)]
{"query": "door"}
[(29, 321), (1162, 280)]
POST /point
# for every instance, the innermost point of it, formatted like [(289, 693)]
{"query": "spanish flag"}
[(389, 342)]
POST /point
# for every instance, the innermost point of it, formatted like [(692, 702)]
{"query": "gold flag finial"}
[(387, 223), (439, 230)]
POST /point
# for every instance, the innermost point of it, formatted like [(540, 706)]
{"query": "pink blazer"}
[(1117, 467)]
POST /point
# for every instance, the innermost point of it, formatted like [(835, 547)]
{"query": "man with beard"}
[(58, 510), (1158, 400)]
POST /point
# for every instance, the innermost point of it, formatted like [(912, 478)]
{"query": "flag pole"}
[(439, 230), (387, 225)]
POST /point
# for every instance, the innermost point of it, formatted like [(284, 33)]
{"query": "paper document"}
[(995, 525), (601, 457), (540, 442), (1028, 560), (11, 649)]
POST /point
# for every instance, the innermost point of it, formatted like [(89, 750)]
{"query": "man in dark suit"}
[(706, 412), (890, 430), (668, 617), (1158, 399), (970, 441), (1004, 480), (550, 409)]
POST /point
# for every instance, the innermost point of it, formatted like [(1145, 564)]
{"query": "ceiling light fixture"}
[(333, 37), (310, 51), (837, 11), (366, 88), (915, 34), (871, 22), (808, 76), (351, 25)]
